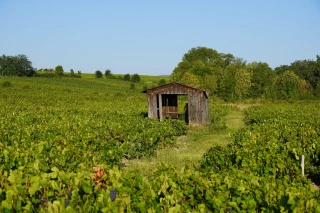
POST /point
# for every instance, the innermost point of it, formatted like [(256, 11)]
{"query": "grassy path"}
[(191, 147)]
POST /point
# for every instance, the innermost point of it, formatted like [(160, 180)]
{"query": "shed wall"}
[(198, 103)]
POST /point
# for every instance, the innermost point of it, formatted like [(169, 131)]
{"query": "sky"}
[(150, 37)]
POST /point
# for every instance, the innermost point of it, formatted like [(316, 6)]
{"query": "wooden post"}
[(160, 107), (302, 164)]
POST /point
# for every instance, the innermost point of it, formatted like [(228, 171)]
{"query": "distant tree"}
[(16, 65), (59, 70), (79, 72), (126, 77), (135, 78), (108, 73), (162, 82), (98, 74), (72, 72)]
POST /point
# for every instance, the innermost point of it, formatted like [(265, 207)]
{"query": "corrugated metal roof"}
[(173, 83)]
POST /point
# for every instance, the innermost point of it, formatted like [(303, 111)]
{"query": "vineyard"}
[(63, 142)]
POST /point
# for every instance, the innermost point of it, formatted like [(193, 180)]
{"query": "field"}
[(85, 145)]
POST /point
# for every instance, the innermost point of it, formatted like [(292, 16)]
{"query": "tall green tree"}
[(287, 85), (190, 79), (242, 83), (126, 77), (59, 70), (201, 61), (108, 73), (18, 65), (261, 79), (135, 78), (307, 70), (98, 74), (210, 83)]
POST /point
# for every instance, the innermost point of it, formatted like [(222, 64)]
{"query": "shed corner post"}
[(160, 107)]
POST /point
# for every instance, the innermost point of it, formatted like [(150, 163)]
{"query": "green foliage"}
[(71, 72), (317, 91), (287, 85), (231, 78), (217, 116), (210, 83), (262, 78), (242, 83), (190, 79), (162, 82), (51, 146), (136, 78), (108, 73), (18, 65), (98, 74), (59, 70), (267, 153), (126, 77)]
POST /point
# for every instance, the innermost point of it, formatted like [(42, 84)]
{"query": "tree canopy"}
[(232, 78), (98, 74), (18, 65), (59, 70)]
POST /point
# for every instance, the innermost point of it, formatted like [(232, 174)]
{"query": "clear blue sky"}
[(150, 37)]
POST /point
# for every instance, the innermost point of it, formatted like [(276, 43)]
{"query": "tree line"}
[(135, 78), (232, 78)]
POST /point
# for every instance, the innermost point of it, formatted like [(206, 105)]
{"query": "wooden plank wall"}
[(152, 106)]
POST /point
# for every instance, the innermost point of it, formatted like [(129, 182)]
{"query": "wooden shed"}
[(163, 103)]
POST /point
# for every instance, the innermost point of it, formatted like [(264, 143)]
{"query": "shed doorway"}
[(173, 106)]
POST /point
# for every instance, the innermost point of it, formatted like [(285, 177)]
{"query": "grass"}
[(189, 148)]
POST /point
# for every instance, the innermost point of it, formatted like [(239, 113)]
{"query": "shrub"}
[(108, 74), (136, 78), (59, 70), (98, 74), (162, 82), (126, 77)]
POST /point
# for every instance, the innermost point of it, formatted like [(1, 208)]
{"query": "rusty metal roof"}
[(169, 86)]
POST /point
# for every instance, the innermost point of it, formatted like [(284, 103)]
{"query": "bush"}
[(108, 74), (126, 77), (132, 86), (162, 82), (59, 70), (135, 78), (98, 74)]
